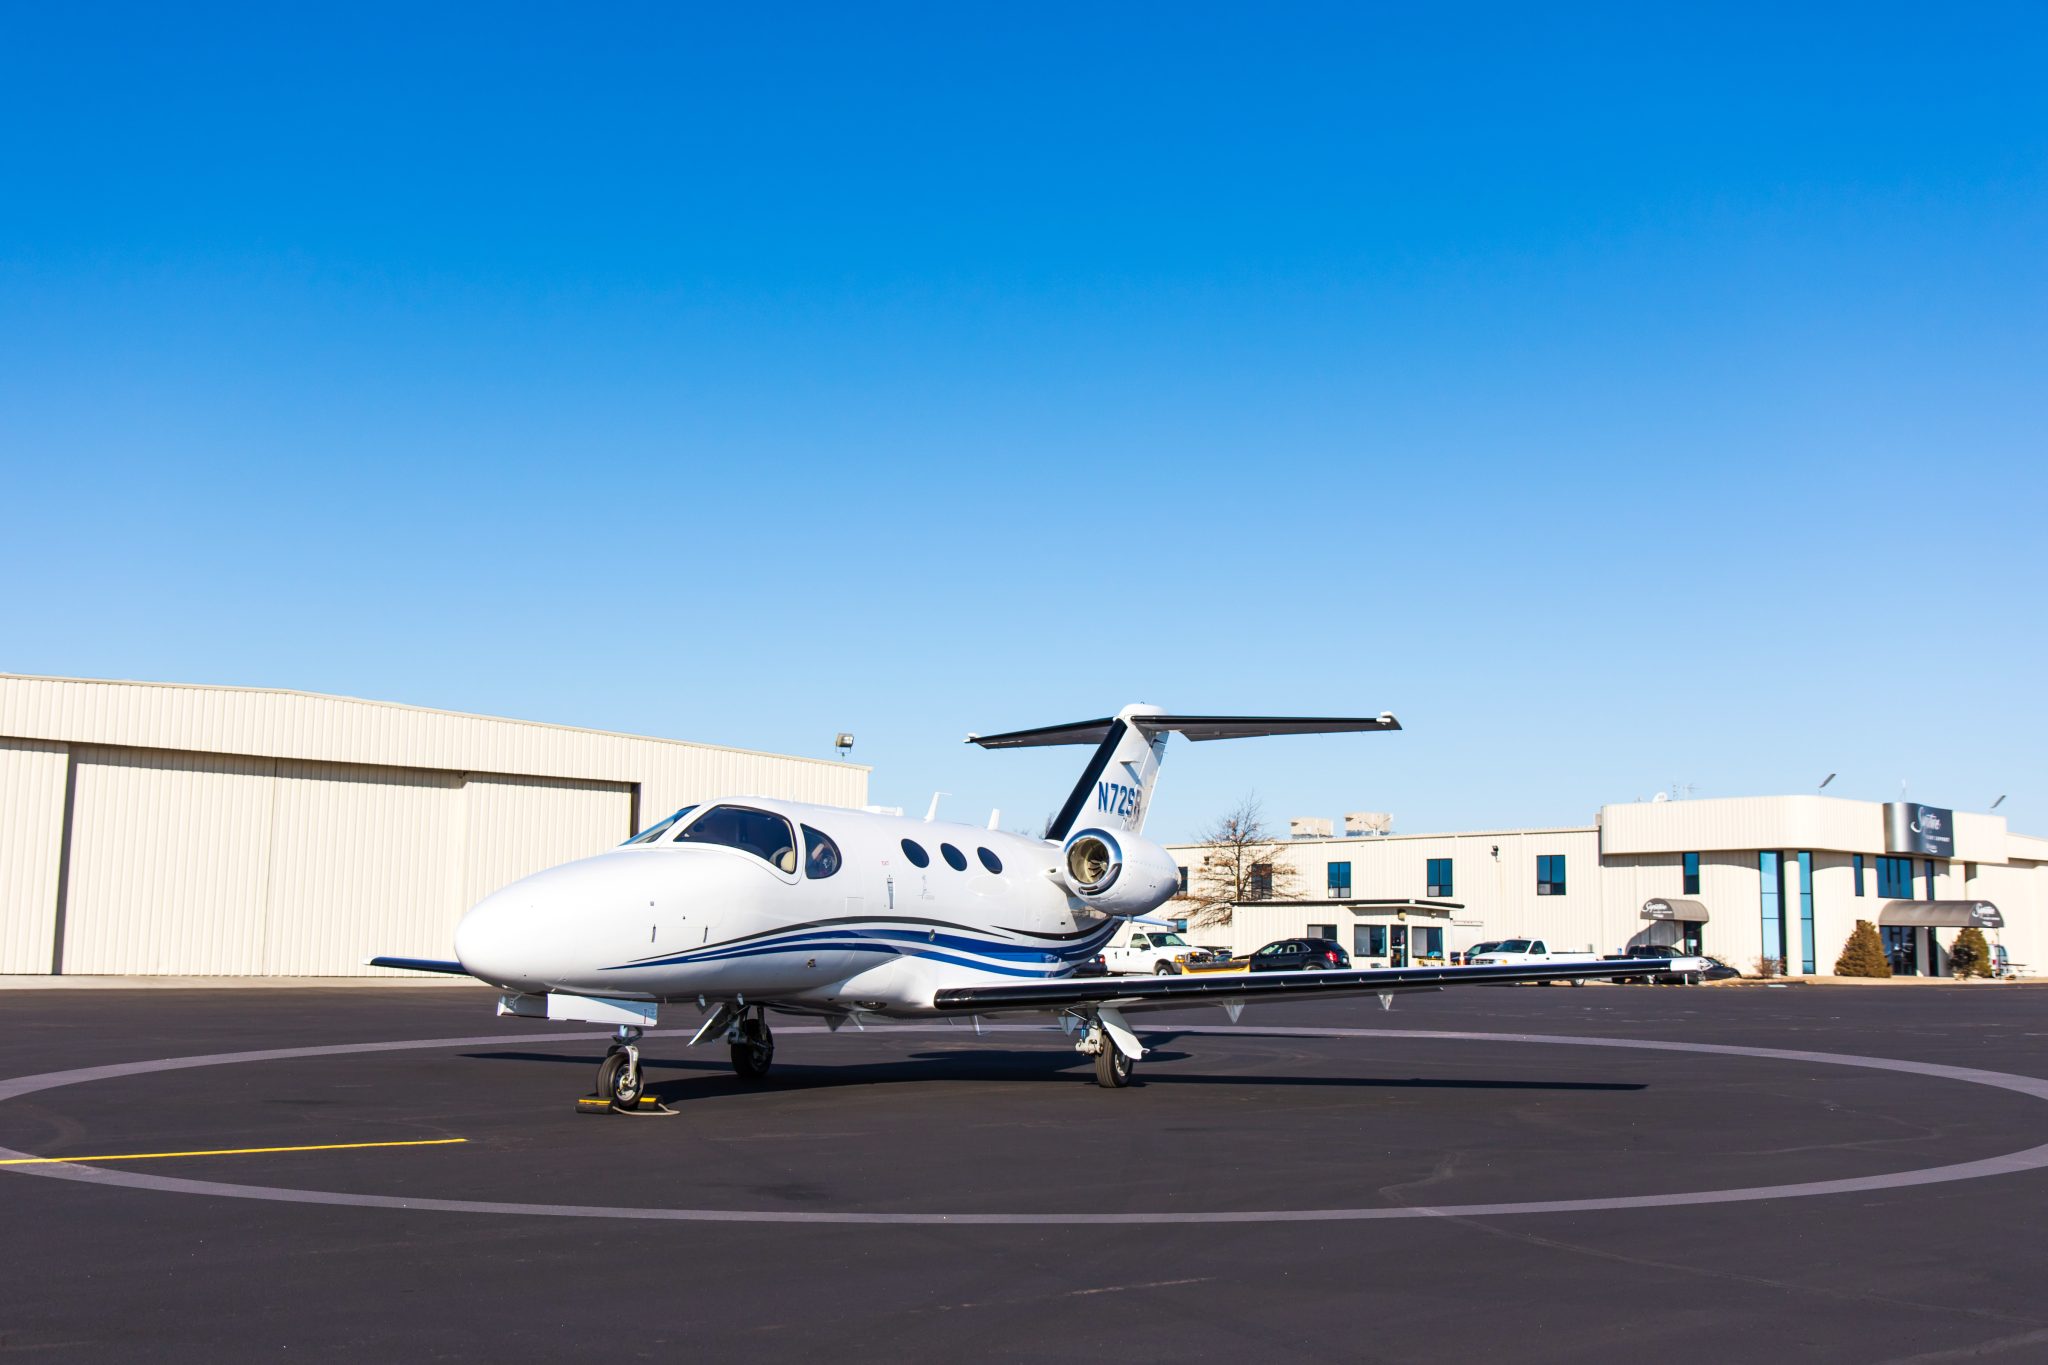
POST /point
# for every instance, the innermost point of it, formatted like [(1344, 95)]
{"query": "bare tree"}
[(1238, 861)]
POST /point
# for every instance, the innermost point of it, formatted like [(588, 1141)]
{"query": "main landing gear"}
[(1113, 1064), (621, 1086), (753, 1045)]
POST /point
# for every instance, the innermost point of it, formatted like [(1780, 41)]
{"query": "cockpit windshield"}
[(651, 835), (761, 833)]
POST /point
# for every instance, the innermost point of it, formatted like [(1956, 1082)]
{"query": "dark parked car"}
[(1299, 955), (1094, 966), (1695, 967)]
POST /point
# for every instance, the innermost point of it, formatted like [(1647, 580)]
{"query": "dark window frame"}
[(989, 860), (1439, 879), (915, 852), (955, 859), (1550, 874), (1690, 875), (1337, 890)]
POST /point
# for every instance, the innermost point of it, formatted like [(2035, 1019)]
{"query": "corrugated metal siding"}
[(230, 830), (347, 730), (31, 845), (519, 826), (1758, 822), (361, 861), (169, 859)]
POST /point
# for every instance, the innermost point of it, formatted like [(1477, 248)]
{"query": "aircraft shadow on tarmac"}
[(1017, 1064)]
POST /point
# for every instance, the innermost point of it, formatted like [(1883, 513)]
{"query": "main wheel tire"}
[(755, 1053), (1112, 1068), (619, 1083)]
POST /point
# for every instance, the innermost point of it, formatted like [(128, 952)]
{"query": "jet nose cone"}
[(491, 943)]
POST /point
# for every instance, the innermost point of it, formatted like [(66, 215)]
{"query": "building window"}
[(1259, 886), (1183, 881), (1692, 875), (1426, 942), (1340, 881), (1328, 931), (1859, 874), (1550, 874), (1440, 877), (1930, 879), (1895, 878), (1806, 913), (1771, 879), (1368, 940)]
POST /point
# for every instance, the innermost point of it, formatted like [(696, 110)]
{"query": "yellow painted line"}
[(229, 1151)]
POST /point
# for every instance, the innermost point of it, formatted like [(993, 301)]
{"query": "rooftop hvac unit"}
[(1308, 827), (1369, 822)]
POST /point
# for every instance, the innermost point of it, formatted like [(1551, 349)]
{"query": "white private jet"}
[(749, 905)]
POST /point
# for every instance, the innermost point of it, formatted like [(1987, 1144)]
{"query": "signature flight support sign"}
[(1910, 828)]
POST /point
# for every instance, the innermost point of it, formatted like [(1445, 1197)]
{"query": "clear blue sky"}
[(1626, 396)]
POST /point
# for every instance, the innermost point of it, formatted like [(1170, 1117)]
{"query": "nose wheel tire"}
[(1112, 1068), (755, 1051), (619, 1079)]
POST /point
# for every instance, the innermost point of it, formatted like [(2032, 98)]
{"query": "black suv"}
[(1300, 955)]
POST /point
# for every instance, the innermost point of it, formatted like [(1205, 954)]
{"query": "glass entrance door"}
[(1397, 947), (1689, 938), (1902, 949)]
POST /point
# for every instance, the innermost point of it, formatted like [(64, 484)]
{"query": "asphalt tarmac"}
[(925, 1194)]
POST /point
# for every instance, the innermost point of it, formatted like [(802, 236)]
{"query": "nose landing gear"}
[(621, 1087)]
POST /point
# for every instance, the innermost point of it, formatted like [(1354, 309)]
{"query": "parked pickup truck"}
[(1529, 952), (1139, 951)]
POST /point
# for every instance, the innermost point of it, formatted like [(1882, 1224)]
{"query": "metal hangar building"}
[(150, 828)]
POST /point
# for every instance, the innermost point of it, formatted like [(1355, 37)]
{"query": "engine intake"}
[(1092, 861), (1117, 876)]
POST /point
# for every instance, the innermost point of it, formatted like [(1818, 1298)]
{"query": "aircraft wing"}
[(419, 964), (1131, 993)]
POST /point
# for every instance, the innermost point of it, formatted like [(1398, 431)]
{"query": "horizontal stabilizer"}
[(1194, 727), (418, 964)]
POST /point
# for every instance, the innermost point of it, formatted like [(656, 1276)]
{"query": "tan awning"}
[(1670, 907), (1942, 914)]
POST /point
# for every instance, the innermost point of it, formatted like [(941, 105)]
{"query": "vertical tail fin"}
[(1115, 789)]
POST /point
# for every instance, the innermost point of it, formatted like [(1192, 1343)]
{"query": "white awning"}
[(1670, 907), (1942, 914)]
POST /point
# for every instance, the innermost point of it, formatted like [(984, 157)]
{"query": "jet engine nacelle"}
[(1117, 874)]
